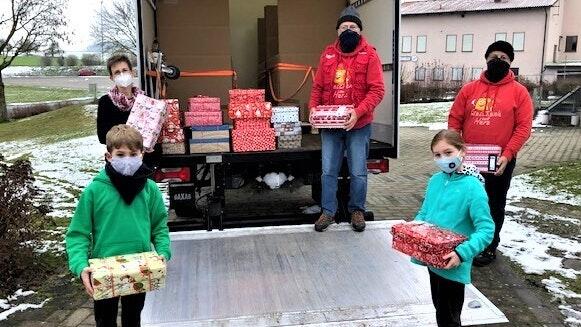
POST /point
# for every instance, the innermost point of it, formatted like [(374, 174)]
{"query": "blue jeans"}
[(354, 145)]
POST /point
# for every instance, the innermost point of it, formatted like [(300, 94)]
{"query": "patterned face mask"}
[(126, 166), (449, 164)]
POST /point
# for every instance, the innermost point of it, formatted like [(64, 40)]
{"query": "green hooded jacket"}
[(104, 225)]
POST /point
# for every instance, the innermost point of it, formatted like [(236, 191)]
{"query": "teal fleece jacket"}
[(104, 225), (458, 202)]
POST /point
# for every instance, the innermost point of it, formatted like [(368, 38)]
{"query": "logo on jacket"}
[(330, 55), (483, 104)]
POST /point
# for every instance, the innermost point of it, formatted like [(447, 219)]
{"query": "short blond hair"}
[(123, 135)]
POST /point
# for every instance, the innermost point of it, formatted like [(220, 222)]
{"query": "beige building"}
[(445, 40)]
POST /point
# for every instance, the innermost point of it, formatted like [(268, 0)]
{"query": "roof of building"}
[(427, 7)]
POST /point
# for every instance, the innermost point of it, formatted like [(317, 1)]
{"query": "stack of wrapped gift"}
[(147, 116), (207, 139), (425, 242), (172, 135), (333, 116), (287, 127), (251, 116), (127, 274), (483, 156), (203, 111)]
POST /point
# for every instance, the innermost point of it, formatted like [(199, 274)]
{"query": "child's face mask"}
[(125, 161), (449, 164), (447, 157)]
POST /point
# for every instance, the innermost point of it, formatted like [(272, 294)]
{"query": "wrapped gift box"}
[(127, 274), (239, 96), (172, 136), (203, 118), (483, 156), (290, 141), (203, 103), (330, 116), (211, 132), (250, 110), (209, 145), (173, 148), (425, 242), (251, 123), (294, 132), (147, 116), (285, 114), (171, 131), (244, 140)]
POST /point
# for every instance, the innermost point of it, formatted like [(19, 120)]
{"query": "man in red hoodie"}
[(349, 73), (495, 109)]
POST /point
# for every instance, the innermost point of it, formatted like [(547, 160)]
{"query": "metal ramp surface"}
[(292, 275)]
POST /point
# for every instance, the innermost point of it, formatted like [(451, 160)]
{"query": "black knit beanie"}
[(501, 46), (349, 14)]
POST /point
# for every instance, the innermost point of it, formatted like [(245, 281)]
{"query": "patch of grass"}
[(565, 177), (54, 126), (20, 94), (423, 113), (27, 61)]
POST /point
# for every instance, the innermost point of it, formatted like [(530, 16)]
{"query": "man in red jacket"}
[(349, 73), (495, 109)]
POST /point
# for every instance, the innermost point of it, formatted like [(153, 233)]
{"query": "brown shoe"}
[(358, 221), (323, 222)]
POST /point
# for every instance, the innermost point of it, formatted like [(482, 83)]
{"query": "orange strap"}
[(206, 73), (309, 70)]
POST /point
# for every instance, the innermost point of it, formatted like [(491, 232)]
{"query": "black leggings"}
[(131, 306), (448, 298)]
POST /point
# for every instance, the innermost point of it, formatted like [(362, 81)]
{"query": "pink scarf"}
[(120, 100)]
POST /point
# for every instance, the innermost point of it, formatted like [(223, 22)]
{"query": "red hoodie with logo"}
[(354, 78), (493, 113)]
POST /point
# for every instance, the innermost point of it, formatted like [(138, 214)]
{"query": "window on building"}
[(406, 44), (467, 40), (420, 74), (500, 37), (518, 41), (476, 73), (438, 74), (422, 41), (571, 44), (457, 74), (450, 43)]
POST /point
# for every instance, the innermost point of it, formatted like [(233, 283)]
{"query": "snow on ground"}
[(524, 244), (8, 307), (432, 115)]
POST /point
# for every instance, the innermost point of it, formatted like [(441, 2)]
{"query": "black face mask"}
[(497, 70), (349, 40)]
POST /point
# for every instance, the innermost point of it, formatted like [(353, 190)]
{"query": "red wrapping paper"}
[(203, 118), (250, 110), (172, 132), (251, 123), (244, 140), (203, 103), (238, 96), (330, 116), (425, 242)]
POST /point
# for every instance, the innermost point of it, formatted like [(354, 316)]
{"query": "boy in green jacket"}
[(120, 212), (455, 200)]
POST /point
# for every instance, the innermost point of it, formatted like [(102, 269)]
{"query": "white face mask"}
[(123, 80), (126, 166)]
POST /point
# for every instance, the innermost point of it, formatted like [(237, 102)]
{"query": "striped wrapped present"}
[(203, 118), (483, 156), (330, 116), (203, 103), (210, 139)]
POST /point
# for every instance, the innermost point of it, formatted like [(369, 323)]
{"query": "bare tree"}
[(115, 27), (30, 25)]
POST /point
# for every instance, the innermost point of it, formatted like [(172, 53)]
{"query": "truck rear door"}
[(381, 21)]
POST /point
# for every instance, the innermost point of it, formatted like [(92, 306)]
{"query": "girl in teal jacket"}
[(455, 200)]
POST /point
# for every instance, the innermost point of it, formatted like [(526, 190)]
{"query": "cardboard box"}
[(195, 36), (127, 274), (425, 242)]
